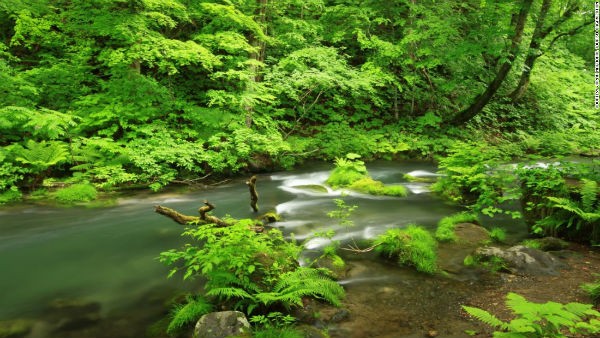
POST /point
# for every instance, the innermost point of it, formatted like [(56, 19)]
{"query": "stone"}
[(522, 260), (221, 325)]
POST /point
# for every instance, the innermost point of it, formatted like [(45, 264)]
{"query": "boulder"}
[(522, 260), (222, 324)]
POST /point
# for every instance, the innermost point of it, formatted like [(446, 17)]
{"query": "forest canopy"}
[(119, 93)]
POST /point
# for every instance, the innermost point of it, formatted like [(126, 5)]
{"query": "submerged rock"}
[(221, 324), (312, 188), (522, 260)]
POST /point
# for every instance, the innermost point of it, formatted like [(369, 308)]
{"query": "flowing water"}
[(102, 261)]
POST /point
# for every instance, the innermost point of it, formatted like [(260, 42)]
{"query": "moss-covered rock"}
[(370, 186), (82, 192)]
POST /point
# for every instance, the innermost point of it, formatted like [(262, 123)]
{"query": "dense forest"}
[(104, 95), (151, 92)]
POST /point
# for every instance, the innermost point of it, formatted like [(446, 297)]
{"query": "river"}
[(103, 260)]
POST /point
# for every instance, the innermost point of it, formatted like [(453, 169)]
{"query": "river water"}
[(103, 260)]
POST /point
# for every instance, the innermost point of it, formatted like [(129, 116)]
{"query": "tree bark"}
[(253, 194), (483, 99), (539, 33), (204, 217)]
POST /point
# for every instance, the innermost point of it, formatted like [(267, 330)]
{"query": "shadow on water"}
[(99, 266)]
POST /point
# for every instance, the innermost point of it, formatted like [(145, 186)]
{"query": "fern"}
[(42, 155), (184, 314), (589, 195), (534, 320), (485, 317)]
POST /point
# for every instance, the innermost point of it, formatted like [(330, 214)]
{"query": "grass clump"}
[(445, 228), (82, 192), (413, 246), (370, 186)]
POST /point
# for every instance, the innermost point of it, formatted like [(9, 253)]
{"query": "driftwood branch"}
[(204, 217), (253, 194)]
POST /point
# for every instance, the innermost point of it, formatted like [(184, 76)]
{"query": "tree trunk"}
[(482, 100), (253, 194), (533, 53), (256, 56)]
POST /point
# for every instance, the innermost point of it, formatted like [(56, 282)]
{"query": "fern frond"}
[(184, 314), (589, 195), (485, 317), (43, 155), (229, 292)]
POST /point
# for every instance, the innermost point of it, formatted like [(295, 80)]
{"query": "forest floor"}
[(431, 306)]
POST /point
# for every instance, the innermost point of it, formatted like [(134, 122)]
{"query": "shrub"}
[(82, 192), (541, 320), (445, 228), (11, 195), (188, 313), (244, 270), (411, 246)]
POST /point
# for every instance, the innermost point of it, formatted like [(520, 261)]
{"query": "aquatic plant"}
[(413, 246), (534, 320), (445, 228), (82, 192)]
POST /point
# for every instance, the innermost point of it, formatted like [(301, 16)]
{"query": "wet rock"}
[(222, 324), (470, 233), (340, 316), (551, 244), (270, 217), (451, 255), (15, 328), (522, 260)]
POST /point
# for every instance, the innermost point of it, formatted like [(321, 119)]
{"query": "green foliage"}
[(541, 319), (274, 325), (593, 290), (347, 171), (10, 195), (185, 314), (247, 270), (576, 219), (370, 186), (82, 192), (498, 235), (472, 176), (351, 173), (445, 228), (42, 155), (413, 246)]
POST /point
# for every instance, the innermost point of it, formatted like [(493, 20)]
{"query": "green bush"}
[(188, 313), (245, 270), (82, 192), (445, 228), (411, 246), (11, 195)]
